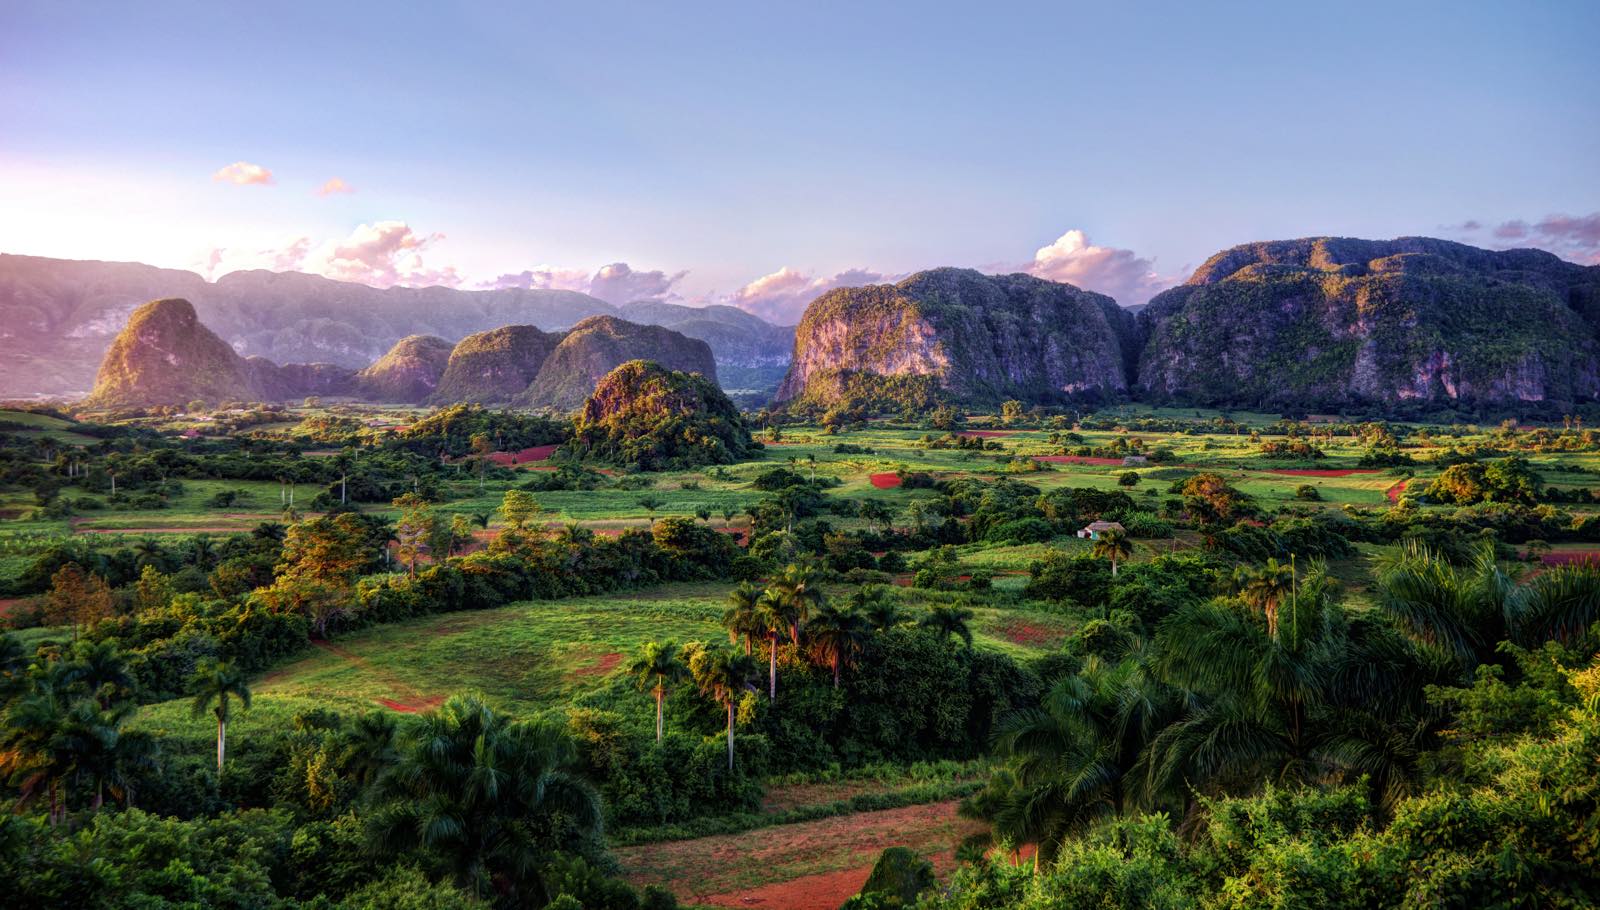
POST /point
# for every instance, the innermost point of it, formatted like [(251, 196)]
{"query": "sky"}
[(759, 154)]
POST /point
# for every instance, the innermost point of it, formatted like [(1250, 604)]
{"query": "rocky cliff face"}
[(974, 337), (58, 316), (408, 373), (1327, 322), (496, 366), (600, 344), (164, 356)]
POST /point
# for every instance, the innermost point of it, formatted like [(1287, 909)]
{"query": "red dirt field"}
[(1023, 632), (1571, 557), (533, 453), (602, 665), (1320, 472), (807, 866), (1077, 459), (885, 481), (413, 706), (1393, 493)]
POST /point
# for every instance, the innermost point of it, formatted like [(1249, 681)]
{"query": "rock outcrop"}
[(164, 356), (496, 366), (1330, 322), (961, 335), (646, 416), (600, 344)]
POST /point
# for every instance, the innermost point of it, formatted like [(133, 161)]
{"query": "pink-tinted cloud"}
[(617, 283), (782, 296), (384, 254), (335, 186), (243, 173), (614, 283), (1572, 237), (1123, 275)]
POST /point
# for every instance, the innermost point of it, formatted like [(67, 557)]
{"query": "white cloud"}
[(384, 254), (781, 297), (614, 283), (243, 173), (333, 186), (1123, 275)]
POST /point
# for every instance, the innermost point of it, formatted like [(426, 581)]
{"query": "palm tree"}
[(657, 667), (946, 621), (203, 550), (1265, 588), (1113, 545), (215, 686), (149, 552), (775, 616), (33, 754), (99, 669), (1466, 611), (491, 799), (799, 590), (836, 637), (722, 675), (481, 519), (878, 512), (106, 756), (369, 747), (742, 617), (873, 603)]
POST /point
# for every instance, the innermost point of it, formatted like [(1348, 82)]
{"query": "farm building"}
[(1096, 528)]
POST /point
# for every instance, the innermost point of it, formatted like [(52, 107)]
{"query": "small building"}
[(1096, 528), (1135, 460)]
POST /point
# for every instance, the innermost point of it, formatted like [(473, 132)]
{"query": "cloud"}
[(1123, 275), (614, 283), (781, 297), (1572, 237), (243, 173), (333, 186), (617, 283), (384, 254)]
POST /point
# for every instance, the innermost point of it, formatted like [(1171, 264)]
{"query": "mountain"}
[(408, 373), (1328, 321), (651, 418), (496, 366), (959, 334), (752, 354), (58, 316), (165, 356), (600, 344)]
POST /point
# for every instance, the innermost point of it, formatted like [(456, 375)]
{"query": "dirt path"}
[(409, 700), (807, 866)]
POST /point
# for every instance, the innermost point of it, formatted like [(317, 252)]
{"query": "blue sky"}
[(754, 152)]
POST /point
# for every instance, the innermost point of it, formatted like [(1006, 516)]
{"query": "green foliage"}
[(650, 418)]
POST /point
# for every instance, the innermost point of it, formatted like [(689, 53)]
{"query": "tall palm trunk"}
[(222, 745), (836, 669), (772, 668), (660, 697), (730, 734), (1113, 568)]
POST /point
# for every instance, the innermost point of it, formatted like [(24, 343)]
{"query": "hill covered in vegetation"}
[(409, 372), (61, 315), (653, 418), (971, 337), (1327, 322), (600, 344), (495, 366)]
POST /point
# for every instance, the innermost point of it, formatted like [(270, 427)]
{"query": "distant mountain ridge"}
[(58, 317)]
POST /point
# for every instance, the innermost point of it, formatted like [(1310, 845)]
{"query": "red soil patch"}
[(413, 706), (1077, 459), (885, 481), (1321, 472), (1570, 557), (602, 665), (987, 434), (1393, 493), (410, 701), (11, 603), (1023, 632), (532, 453)]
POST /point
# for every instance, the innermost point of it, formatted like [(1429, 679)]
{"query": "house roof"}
[(1104, 526)]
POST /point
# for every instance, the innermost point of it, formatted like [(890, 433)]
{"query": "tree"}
[(414, 531), (518, 508), (215, 685), (658, 666), (33, 754), (491, 800), (728, 515), (1128, 479), (1265, 588), (342, 463), (1210, 501), (776, 616), (482, 447), (106, 757), (873, 603), (947, 621), (77, 597), (722, 675), (878, 513), (742, 618), (650, 504), (1113, 545), (798, 589), (460, 532), (703, 513), (837, 637)]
